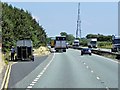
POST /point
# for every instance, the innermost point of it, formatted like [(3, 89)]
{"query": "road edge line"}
[(4, 79), (8, 77)]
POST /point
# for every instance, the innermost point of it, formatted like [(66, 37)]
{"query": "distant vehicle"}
[(115, 44), (67, 45), (52, 43), (86, 51), (92, 43), (76, 43), (24, 50), (60, 43)]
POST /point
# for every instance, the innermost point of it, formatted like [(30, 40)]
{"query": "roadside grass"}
[(5, 58), (107, 45)]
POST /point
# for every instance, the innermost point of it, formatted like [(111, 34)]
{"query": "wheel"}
[(90, 54), (32, 58), (64, 50), (57, 50)]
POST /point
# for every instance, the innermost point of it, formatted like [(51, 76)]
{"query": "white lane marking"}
[(87, 67), (105, 58), (91, 71), (41, 73), (107, 88), (98, 78), (29, 87), (31, 84), (39, 76), (45, 68), (36, 78), (34, 82)]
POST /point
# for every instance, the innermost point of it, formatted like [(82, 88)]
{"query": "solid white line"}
[(106, 58)]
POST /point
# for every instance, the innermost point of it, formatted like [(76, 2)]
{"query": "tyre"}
[(64, 50), (90, 54), (32, 58)]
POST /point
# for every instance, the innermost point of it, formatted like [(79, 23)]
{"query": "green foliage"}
[(100, 37), (63, 34), (105, 45), (19, 24), (69, 37)]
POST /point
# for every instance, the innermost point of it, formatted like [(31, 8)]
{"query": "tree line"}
[(19, 24)]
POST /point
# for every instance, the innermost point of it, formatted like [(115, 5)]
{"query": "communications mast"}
[(78, 31)]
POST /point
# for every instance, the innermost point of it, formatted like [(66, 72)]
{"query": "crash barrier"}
[(107, 53), (102, 53)]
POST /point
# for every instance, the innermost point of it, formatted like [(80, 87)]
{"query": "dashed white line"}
[(87, 67), (41, 73), (34, 82), (29, 87), (98, 78), (31, 84), (36, 79), (91, 71), (39, 76), (107, 88)]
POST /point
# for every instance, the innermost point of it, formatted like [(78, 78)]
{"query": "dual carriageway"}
[(66, 70)]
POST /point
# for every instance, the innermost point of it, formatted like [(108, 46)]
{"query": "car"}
[(86, 51)]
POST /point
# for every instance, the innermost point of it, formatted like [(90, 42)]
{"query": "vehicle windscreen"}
[(116, 41), (93, 42), (60, 38)]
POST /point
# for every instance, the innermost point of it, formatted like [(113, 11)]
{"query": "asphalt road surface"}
[(65, 70)]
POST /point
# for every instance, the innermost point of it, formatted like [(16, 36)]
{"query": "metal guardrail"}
[(101, 52)]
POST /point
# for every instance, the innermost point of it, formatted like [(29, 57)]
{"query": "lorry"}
[(92, 43), (24, 50), (115, 44), (60, 43), (76, 43)]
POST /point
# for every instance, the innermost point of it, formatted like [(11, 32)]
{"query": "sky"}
[(56, 17)]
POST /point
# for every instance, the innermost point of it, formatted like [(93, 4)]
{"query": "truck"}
[(92, 43), (115, 44), (76, 43), (24, 50), (60, 43)]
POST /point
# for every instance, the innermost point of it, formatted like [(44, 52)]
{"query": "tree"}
[(19, 24), (63, 34)]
